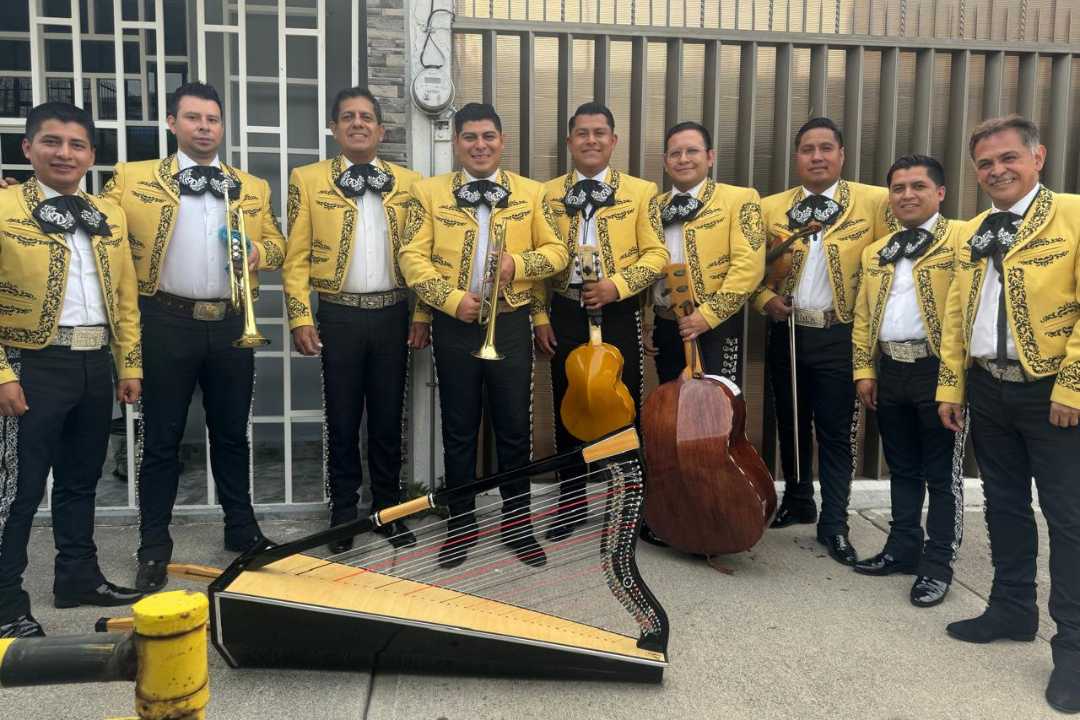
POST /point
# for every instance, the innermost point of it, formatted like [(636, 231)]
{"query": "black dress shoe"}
[(840, 548), (397, 533), (340, 546), (789, 515), (646, 534), (989, 627), (104, 595), (883, 564), (22, 627), (245, 542), (562, 526), (526, 548), (459, 538), (152, 575), (1063, 691), (928, 591)]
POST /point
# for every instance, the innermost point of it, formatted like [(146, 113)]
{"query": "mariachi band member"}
[(598, 206), (346, 217), (176, 218), (717, 231), (1011, 340), (819, 292), (451, 258), (896, 343), (67, 296)]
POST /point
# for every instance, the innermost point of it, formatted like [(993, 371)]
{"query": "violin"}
[(597, 401), (709, 492), (779, 253)]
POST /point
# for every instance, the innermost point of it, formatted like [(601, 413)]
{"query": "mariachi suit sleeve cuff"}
[(421, 314), (7, 373)]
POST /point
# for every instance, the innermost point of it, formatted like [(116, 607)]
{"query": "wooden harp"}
[(586, 614)]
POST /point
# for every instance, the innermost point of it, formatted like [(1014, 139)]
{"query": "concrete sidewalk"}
[(789, 634)]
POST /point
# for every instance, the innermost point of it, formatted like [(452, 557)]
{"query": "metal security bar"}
[(915, 76)]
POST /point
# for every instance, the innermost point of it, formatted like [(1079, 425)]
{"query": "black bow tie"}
[(197, 179), (358, 179), (997, 231), (62, 214), (482, 192), (815, 207), (682, 208), (910, 243), (588, 193)]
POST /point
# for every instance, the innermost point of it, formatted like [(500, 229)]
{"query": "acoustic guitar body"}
[(709, 492), (596, 400)]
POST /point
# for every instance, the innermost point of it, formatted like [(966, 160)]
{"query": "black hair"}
[(192, 89), (62, 111), (475, 112), (819, 122), (593, 108), (933, 168), (689, 125), (355, 92)]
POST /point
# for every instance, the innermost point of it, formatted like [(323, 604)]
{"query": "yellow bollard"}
[(170, 640)]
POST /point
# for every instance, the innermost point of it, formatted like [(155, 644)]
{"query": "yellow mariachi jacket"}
[(322, 228), (440, 240), (150, 197), (933, 275), (866, 216), (629, 235), (724, 246), (34, 273), (1042, 299)]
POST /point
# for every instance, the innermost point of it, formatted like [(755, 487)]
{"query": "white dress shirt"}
[(587, 231), (195, 264), (84, 303), (814, 292), (370, 268), (673, 239), (483, 220), (984, 335), (903, 320)]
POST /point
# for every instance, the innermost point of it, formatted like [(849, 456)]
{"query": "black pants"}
[(464, 381), (1014, 441), (719, 349), (365, 364), (570, 323), (66, 430), (923, 455), (179, 352), (826, 405)]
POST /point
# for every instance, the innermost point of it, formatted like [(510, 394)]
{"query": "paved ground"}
[(789, 634)]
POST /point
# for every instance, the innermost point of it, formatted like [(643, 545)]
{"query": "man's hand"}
[(779, 309), (128, 391), (506, 269), (693, 325), (866, 389), (1064, 416), (253, 258), (306, 340), (7, 182), (952, 415), (12, 400), (469, 308), (598, 294), (544, 337), (419, 335), (647, 341)]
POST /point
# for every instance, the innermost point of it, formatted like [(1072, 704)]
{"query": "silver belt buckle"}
[(211, 311), (87, 338), (903, 352), (810, 318)]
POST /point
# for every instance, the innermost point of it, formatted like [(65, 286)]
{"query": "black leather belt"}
[(207, 310)]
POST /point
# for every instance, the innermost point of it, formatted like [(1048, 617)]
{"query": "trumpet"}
[(489, 301), (240, 281)]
